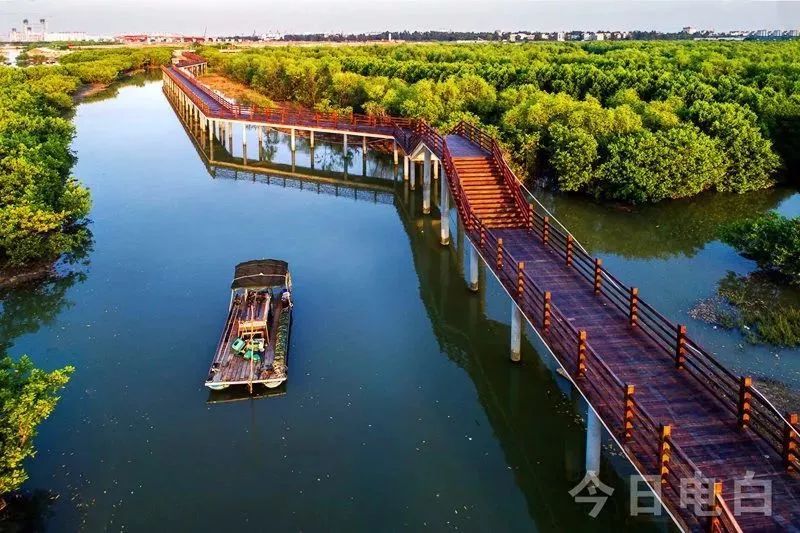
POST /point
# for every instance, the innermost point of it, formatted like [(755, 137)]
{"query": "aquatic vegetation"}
[(758, 305), (771, 240)]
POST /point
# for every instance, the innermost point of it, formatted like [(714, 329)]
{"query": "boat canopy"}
[(261, 273)]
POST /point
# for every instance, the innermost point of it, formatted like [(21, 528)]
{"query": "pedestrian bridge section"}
[(680, 416)]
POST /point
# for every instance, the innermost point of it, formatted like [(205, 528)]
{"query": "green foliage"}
[(772, 240), (750, 162), (668, 164), (569, 111), (42, 207), (28, 396)]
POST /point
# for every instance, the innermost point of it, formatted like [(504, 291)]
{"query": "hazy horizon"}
[(302, 16)]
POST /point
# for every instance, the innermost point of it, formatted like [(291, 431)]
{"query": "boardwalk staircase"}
[(487, 192)]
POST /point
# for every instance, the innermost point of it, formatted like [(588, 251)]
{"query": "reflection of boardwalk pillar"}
[(244, 144), (594, 433), (311, 151), (474, 258), (426, 183), (516, 332), (260, 143), (444, 211)]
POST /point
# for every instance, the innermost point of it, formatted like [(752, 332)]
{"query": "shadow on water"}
[(536, 416), (27, 512)]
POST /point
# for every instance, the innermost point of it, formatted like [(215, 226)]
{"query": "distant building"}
[(560, 36), (793, 33), (689, 30), (594, 36)]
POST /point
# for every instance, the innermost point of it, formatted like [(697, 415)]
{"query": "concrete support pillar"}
[(230, 137), (364, 147), (436, 169), (293, 144), (413, 177), (594, 434), (394, 152), (426, 183), (405, 168), (473, 268), (516, 332), (311, 138), (311, 152), (444, 211)]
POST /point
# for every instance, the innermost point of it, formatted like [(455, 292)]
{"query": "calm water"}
[(401, 411)]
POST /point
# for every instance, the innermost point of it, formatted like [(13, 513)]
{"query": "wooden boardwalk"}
[(678, 414)]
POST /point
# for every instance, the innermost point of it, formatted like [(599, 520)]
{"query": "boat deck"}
[(232, 369)]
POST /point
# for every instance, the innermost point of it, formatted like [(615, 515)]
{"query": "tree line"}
[(636, 122), (42, 206)]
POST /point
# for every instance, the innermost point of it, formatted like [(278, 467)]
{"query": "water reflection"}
[(662, 231)]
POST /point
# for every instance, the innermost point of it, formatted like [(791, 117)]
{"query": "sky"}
[(244, 17)]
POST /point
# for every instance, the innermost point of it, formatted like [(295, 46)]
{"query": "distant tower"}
[(25, 29), (43, 22)]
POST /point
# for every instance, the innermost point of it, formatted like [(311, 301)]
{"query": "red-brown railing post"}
[(545, 230), (628, 414), (580, 368), (745, 397), (633, 311), (569, 249), (520, 280), (714, 507), (680, 347), (531, 216), (546, 312), (499, 254), (598, 266), (790, 444), (664, 451)]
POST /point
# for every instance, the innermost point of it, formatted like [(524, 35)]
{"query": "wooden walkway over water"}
[(677, 413)]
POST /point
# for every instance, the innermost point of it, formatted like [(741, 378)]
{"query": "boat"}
[(254, 344)]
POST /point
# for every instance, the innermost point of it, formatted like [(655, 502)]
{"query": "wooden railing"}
[(400, 128)]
